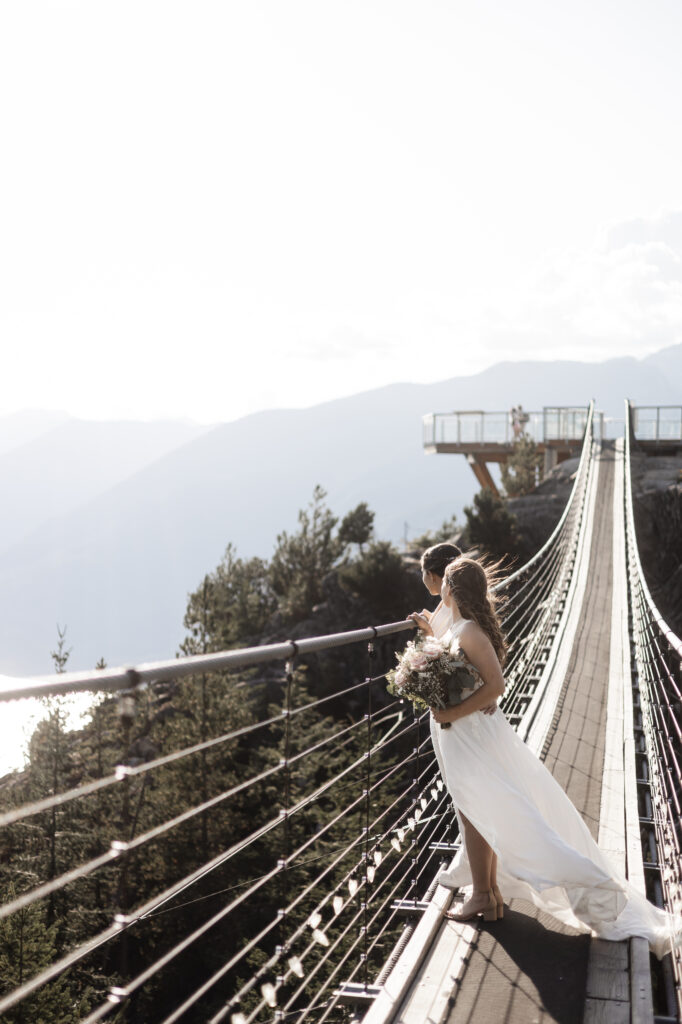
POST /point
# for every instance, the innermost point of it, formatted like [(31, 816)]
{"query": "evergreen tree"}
[(302, 559), (61, 655), (230, 606), (53, 756), (383, 580), (490, 524), (520, 471), (27, 947), (357, 526)]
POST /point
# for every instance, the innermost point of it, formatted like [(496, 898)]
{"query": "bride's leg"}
[(499, 899), (481, 855)]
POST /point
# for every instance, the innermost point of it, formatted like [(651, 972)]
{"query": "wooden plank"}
[(640, 982), (399, 981), (608, 975), (606, 1011), (614, 955), (429, 996)]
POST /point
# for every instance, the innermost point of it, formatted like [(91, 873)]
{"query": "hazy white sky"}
[(208, 208)]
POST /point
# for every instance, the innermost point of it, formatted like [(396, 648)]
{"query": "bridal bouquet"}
[(431, 676)]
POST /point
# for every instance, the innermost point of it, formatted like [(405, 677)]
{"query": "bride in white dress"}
[(518, 824)]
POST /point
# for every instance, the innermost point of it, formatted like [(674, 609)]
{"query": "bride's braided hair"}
[(471, 581)]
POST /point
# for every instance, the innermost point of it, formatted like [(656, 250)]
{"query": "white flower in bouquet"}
[(431, 676)]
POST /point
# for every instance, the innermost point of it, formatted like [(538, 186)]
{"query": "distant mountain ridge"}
[(50, 472), (118, 567)]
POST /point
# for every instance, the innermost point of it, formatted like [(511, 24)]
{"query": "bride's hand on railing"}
[(422, 622)]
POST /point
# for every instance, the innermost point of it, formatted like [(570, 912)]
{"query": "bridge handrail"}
[(657, 657), (670, 635), (124, 678)]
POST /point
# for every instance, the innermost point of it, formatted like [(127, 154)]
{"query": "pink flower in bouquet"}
[(419, 662), (432, 649)]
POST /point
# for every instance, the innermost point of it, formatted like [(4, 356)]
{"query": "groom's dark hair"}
[(436, 558)]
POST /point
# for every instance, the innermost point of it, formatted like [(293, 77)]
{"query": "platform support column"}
[(482, 473)]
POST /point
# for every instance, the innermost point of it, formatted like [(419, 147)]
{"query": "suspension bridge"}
[(321, 902)]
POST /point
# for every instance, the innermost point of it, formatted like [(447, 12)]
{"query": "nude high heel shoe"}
[(499, 901), (488, 911)]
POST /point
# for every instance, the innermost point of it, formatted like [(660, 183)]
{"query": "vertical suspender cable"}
[(284, 861), (368, 785)]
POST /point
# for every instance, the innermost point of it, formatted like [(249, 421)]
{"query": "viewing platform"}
[(558, 432), (487, 437)]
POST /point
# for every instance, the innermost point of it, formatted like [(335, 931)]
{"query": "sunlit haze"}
[(214, 208)]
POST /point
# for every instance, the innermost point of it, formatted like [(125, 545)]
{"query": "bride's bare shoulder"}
[(470, 628), (470, 635)]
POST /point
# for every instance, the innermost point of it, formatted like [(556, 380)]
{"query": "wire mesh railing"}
[(271, 850), (657, 693)]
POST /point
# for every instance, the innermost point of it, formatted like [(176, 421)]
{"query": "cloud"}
[(622, 294), (666, 228)]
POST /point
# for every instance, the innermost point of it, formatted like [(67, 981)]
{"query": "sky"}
[(211, 208)]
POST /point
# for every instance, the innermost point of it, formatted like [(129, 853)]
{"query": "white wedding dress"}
[(545, 851)]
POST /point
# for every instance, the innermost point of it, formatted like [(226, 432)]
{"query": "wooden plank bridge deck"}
[(530, 968)]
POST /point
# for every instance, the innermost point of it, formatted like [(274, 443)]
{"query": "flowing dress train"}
[(546, 853)]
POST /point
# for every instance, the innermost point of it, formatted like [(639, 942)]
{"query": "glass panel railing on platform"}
[(657, 422), (465, 427), (564, 423)]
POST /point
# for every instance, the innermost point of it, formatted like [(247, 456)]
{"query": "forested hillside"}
[(326, 576)]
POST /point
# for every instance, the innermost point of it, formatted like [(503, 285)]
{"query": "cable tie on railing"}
[(289, 666), (126, 697), (134, 678)]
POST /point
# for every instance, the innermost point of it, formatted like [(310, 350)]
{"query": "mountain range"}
[(106, 527)]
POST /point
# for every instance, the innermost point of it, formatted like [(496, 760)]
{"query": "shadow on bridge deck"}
[(529, 967)]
